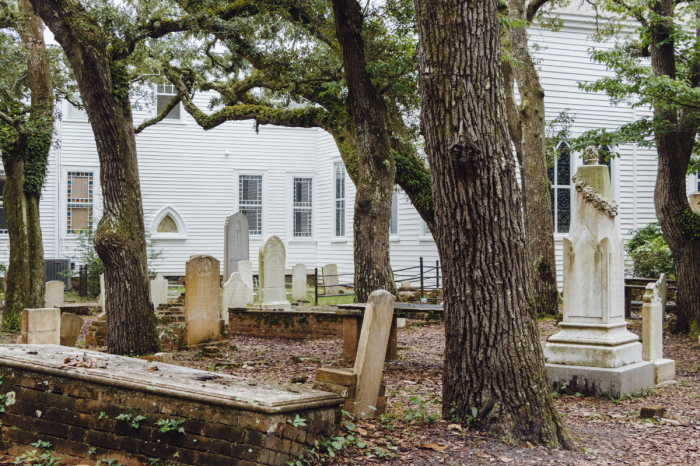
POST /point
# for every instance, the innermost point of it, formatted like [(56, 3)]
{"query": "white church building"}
[(292, 183)]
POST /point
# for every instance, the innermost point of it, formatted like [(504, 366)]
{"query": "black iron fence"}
[(429, 278)]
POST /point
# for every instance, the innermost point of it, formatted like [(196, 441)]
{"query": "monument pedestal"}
[(618, 381), (664, 371), (281, 305)]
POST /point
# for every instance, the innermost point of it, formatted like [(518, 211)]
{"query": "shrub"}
[(650, 254)]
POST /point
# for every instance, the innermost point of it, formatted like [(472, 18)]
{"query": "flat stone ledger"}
[(54, 293), (272, 262), (41, 326), (236, 242), (227, 419), (294, 324), (202, 312)]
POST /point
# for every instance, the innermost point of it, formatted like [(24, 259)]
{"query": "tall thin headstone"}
[(272, 263), (41, 326), (330, 277), (299, 282), (236, 241), (54, 293), (202, 312), (235, 294), (653, 332), (245, 268), (102, 292), (159, 291)]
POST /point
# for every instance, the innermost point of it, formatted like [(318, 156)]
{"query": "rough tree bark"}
[(493, 357), (526, 123), (376, 167), (120, 237), (680, 226), (25, 170)]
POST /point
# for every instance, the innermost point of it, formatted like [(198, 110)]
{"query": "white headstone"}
[(245, 268), (159, 291), (299, 282), (272, 263), (235, 295), (102, 292), (236, 240), (330, 277), (653, 332), (663, 293), (202, 312), (695, 202), (54, 293), (41, 326)]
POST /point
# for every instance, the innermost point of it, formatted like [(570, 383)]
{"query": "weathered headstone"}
[(70, 329), (102, 292), (236, 240), (245, 268), (330, 277), (235, 295), (202, 312), (663, 293), (695, 202), (272, 262), (41, 326), (159, 291), (371, 350), (406, 286), (653, 332), (299, 282), (54, 293)]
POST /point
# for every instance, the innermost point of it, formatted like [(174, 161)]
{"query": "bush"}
[(650, 254)]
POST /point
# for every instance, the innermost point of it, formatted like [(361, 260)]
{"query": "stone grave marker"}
[(299, 282), (235, 295), (54, 293), (236, 241), (245, 268), (159, 291), (102, 292), (70, 329), (273, 293), (653, 332), (695, 202), (202, 299), (330, 277), (663, 294), (41, 326)]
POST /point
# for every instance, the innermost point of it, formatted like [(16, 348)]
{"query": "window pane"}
[(604, 159), (79, 199), (393, 222), (162, 102), (75, 113), (563, 210), (250, 201), (254, 215), (564, 167), (302, 192), (167, 225), (302, 223), (340, 218), (339, 176), (79, 218), (3, 220)]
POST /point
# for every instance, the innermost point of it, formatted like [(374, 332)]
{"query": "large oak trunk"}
[(493, 357), (376, 168), (120, 237)]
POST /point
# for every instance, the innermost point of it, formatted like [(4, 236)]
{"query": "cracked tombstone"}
[(202, 312), (41, 326)]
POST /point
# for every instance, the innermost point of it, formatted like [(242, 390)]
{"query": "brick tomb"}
[(72, 398), (299, 323)]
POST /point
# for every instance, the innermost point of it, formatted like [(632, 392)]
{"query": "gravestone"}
[(202, 275), (695, 202), (369, 364), (663, 294), (102, 292), (653, 332), (245, 268), (41, 326), (70, 329), (159, 291), (330, 277), (236, 239), (273, 293), (54, 293), (299, 282), (235, 295)]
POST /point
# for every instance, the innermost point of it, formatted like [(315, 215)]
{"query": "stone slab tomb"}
[(41, 326), (70, 329), (54, 293), (202, 314), (235, 294), (330, 277), (245, 268), (653, 331), (227, 420), (159, 291), (295, 324), (236, 242), (299, 282), (273, 293)]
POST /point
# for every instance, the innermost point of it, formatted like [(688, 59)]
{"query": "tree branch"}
[(533, 8), (8, 120), (161, 116)]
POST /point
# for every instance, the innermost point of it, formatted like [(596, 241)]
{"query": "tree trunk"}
[(680, 225), (376, 168), (25, 170), (120, 237), (530, 148), (493, 357)]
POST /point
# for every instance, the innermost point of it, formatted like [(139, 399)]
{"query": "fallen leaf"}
[(361, 431), (455, 427), (432, 446), (530, 445)]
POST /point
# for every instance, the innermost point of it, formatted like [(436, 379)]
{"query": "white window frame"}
[(395, 236), (66, 109), (335, 200), (237, 204), (290, 207), (179, 221), (172, 121), (96, 197)]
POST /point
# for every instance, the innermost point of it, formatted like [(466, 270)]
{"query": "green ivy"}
[(690, 223), (120, 81)]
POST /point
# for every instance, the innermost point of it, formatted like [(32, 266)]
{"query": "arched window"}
[(168, 224), (560, 177)]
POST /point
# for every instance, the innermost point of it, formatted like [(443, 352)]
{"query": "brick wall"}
[(66, 413), (291, 324)]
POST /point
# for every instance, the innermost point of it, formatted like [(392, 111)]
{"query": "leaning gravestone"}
[(330, 277), (245, 268), (272, 262), (54, 293), (299, 282), (202, 299), (236, 238), (41, 326), (159, 291), (70, 329), (235, 295)]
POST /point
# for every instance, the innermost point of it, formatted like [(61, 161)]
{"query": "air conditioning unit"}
[(55, 269)]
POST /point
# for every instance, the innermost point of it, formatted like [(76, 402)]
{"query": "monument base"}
[(664, 371), (618, 381), (593, 355), (284, 305)]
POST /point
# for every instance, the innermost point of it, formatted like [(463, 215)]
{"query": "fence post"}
[(421, 279), (316, 286)]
